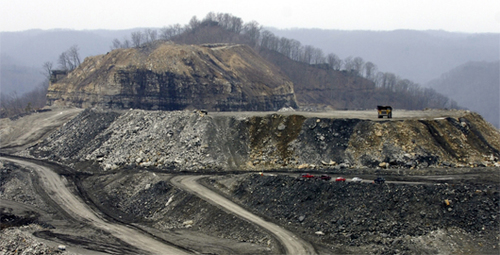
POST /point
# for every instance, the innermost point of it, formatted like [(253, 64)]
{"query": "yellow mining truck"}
[(384, 111)]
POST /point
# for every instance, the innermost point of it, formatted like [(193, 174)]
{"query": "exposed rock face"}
[(193, 141), (166, 76)]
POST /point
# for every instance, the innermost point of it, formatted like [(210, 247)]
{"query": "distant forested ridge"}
[(419, 56), (475, 85)]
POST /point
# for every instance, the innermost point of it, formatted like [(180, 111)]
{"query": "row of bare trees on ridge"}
[(253, 34)]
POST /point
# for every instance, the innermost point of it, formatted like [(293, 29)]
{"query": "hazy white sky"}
[(451, 15)]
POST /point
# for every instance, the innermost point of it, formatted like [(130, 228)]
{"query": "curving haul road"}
[(59, 192), (292, 243)]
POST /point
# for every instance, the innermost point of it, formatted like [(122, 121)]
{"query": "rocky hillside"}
[(194, 141), (167, 76)]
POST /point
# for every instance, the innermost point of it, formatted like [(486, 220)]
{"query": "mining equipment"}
[(384, 111)]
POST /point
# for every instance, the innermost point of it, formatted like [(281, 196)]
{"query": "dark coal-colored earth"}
[(375, 218)]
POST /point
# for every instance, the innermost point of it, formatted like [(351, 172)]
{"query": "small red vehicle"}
[(325, 177), (340, 179), (307, 176)]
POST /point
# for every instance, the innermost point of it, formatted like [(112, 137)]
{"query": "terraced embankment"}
[(193, 141)]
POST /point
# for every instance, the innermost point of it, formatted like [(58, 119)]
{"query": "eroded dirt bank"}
[(194, 141)]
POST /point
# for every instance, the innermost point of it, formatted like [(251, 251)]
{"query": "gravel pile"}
[(76, 138), (19, 240), (196, 141), (16, 184)]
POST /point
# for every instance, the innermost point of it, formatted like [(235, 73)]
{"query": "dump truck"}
[(384, 110)]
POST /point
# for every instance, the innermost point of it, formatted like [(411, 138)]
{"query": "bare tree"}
[(379, 77), (358, 65), (236, 24), (126, 43), (74, 55), (153, 35), (334, 61), (70, 59), (177, 29), (166, 33), (266, 38), (63, 61), (402, 85), (252, 30), (285, 46), (317, 56), (136, 38), (295, 50), (211, 16), (194, 23), (389, 81), (149, 35), (116, 44), (307, 54), (370, 70), (47, 68), (349, 64)]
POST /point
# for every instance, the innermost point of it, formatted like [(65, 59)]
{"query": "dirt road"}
[(355, 114), (292, 243), (73, 205), (23, 132)]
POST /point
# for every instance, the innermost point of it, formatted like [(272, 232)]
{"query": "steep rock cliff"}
[(167, 76)]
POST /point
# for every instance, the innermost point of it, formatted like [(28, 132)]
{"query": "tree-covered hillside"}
[(420, 56), (320, 79)]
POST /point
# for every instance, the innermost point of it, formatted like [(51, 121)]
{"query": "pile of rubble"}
[(380, 218), (196, 141), (19, 240)]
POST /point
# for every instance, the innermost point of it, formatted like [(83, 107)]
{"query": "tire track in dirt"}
[(55, 186)]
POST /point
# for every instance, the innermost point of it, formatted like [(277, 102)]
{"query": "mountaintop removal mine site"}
[(212, 149), (170, 182)]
